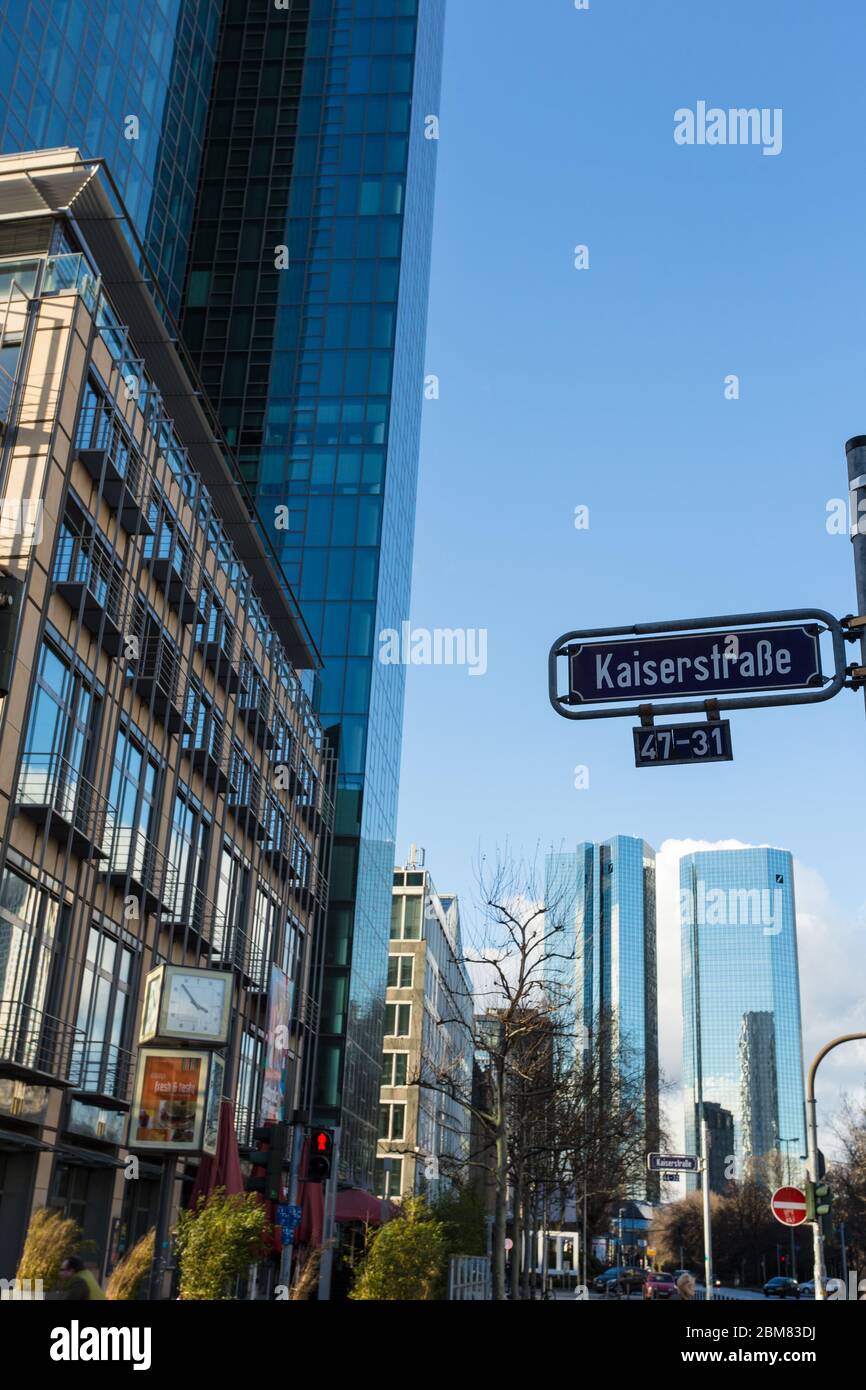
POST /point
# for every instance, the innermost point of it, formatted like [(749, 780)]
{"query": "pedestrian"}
[(685, 1288), (76, 1282)]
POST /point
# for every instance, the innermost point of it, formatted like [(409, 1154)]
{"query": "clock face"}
[(195, 1005)]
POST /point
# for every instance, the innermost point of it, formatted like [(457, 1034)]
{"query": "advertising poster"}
[(273, 1101), (169, 1100)]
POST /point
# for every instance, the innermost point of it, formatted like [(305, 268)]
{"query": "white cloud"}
[(832, 983)]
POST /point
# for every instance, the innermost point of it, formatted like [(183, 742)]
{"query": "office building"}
[(424, 1133), (164, 782), (602, 965), (742, 1042)]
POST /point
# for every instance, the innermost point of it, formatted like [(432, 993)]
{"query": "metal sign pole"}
[(708, 1227), (855, 451)]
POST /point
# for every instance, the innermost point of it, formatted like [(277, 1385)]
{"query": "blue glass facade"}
[(742, 1040), (603, 896), (75, 72), (306, 312)]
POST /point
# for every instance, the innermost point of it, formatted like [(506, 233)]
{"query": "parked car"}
[(807, 1290), (627, 1277), (659, 1286), (781, 1287)]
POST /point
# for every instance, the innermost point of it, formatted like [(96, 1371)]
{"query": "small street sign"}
[(715, 663), (664, 746), (673, 1163), (788, 1205)]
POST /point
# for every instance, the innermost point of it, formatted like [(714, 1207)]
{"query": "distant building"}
[(604, 898), (720, 1134), (424, 1134), (742, 1040)]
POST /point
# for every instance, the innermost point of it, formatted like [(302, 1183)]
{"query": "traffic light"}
[(269, 1160), (819, 1200), (319, 1159)]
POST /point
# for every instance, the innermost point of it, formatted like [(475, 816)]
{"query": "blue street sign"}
[(288, 1234), (288, 1215), (673, 1163), (661, 746), (705, 664)]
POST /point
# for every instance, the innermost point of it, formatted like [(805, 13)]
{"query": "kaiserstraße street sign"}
[(673, 1163), (788, 1205)]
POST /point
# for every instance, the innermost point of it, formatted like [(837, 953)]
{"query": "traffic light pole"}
[(820, 1274)]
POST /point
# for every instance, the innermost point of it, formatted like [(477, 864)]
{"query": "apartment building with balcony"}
[(165, 787)]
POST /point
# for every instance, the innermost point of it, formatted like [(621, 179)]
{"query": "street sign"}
[(673, 1163), (670, 1177), (715, 663), (665, 746), (696, 666), (789, 1206)]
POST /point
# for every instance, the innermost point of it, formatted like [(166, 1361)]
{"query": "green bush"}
[(51, 1239), (406, 1259), (217, 1243)]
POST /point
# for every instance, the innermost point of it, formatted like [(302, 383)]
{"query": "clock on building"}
[(182, 1002)]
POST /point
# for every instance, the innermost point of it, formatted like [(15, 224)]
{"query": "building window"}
[(412, 919), (395, 1067), (293, 947), (232, 891), (400, 970), (389, 1177), (392, 1121), (62, 719), (133, 797), (398, 1018), (187, 852), (29, 936), (104, 1013), (250, 1070)]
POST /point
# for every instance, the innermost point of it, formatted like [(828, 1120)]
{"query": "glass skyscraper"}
[(306, 312), (122, 82), (742, 1041), (603, 896)]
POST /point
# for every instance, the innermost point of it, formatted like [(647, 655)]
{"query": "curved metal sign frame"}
[(720, 626)]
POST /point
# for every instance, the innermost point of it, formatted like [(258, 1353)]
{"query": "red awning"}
[(355, 1205), (224, 1169)]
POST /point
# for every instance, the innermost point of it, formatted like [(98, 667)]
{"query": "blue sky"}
[(605, 388)]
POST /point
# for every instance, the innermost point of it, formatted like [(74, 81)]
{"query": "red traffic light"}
[(319, 1161)]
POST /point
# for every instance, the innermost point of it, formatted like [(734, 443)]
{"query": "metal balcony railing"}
[(7, 390), (37, 1043), (175, 568), (103, 1070), (206, 747), (134, 859), (53, 792), (191, 910), (157, 675), (115, 463), (220, 647), (92, 583), (254, 707), (246, 794), (306, 1011)]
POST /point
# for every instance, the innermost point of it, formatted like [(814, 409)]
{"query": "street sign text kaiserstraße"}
[(673, 1163), (696, 665), (665, 745), (706, 664), (788, 1205)]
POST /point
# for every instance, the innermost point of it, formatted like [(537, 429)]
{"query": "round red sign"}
[(789, 1206)]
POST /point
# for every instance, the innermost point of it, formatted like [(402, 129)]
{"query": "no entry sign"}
[(789, 1206)]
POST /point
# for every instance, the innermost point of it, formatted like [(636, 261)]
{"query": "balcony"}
[(117, 467), (221, 655), (104, 1073), (254, 708), (36, 1047), (246, 798), (306, 1012), (205, 749), (175, 571), (93, 586), (135, 865), (156, 676), (53, 793), (235, 949), (277, 847), (192, 912)]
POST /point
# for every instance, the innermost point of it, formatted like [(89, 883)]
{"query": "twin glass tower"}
[(279, 163), (742, 1035)]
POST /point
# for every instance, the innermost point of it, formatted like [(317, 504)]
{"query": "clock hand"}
[(194, 1002)]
